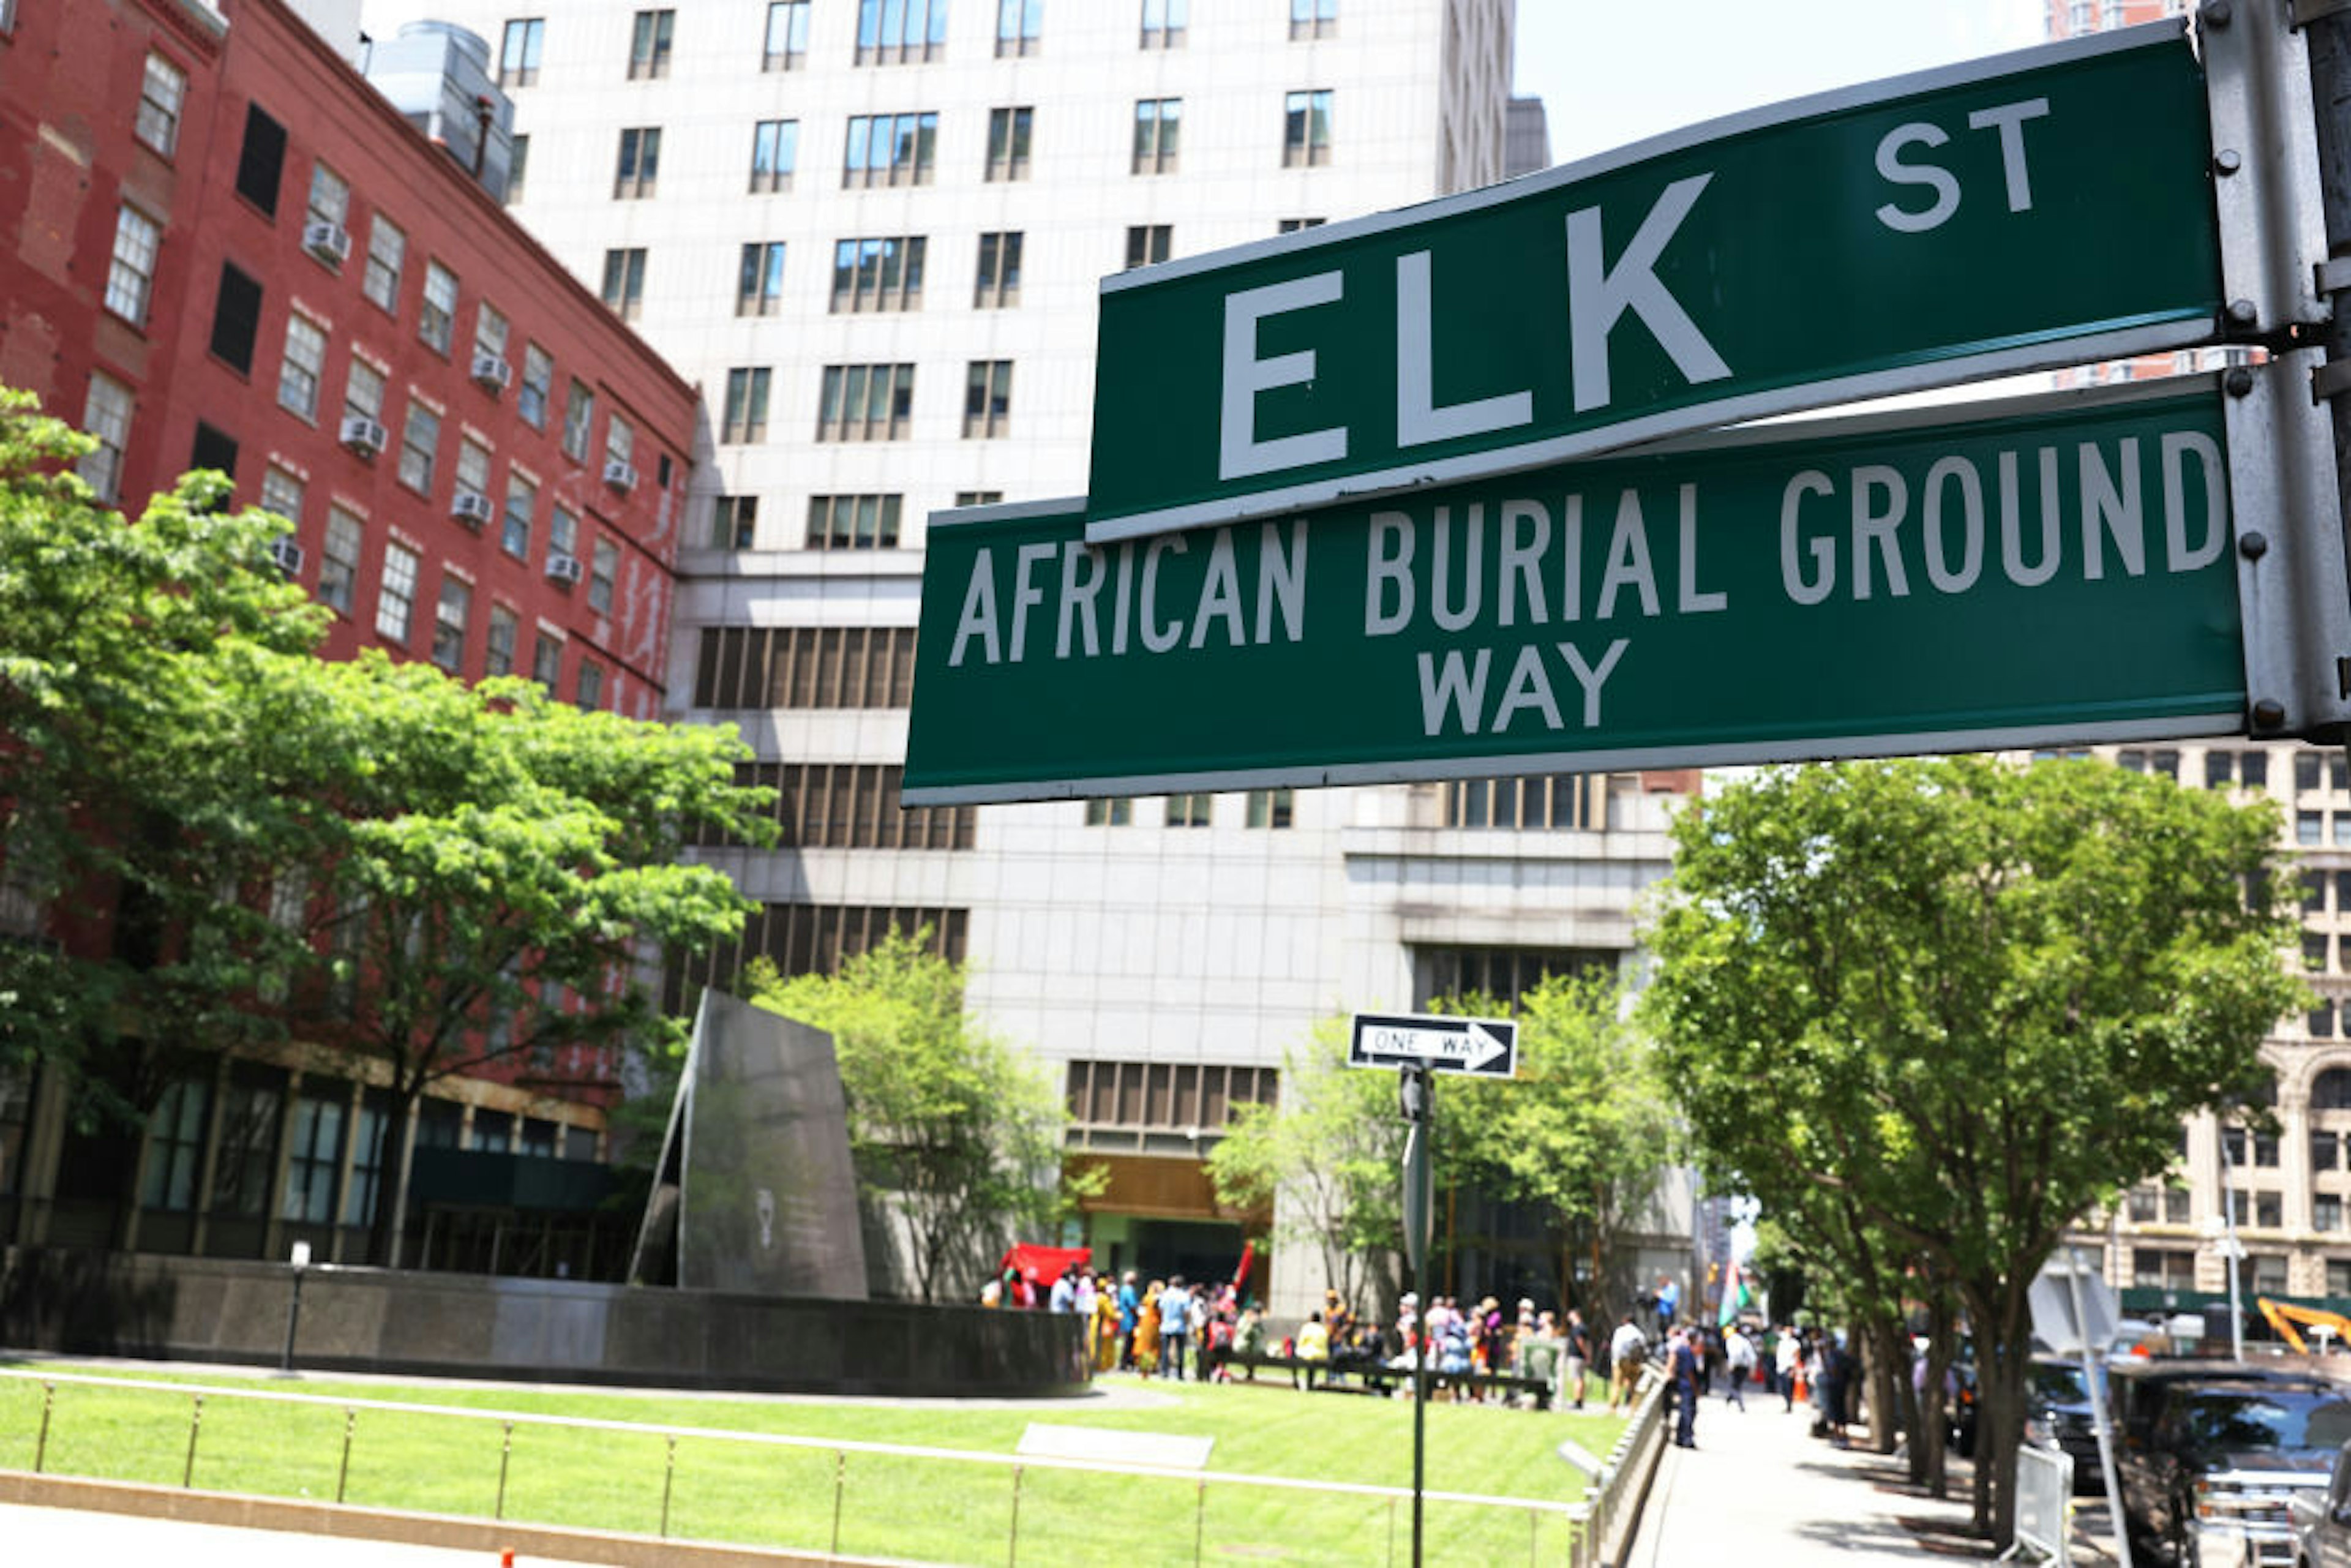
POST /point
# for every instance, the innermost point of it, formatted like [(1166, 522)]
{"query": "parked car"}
[(2211, 1454), (2058, 1414), (2322, 1519)]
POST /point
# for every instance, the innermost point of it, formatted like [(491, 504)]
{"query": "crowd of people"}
[(1794, 1363)]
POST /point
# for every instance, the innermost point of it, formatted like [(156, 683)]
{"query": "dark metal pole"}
[(1420, 1102), (293, 1319)]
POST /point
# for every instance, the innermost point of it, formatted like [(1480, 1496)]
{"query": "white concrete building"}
[(873, 230)]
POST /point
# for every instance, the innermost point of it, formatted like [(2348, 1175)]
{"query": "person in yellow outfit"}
[(1105, 1324), (1313, 1343), (1146, 1332)]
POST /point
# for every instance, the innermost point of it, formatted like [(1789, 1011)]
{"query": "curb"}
[(339, 1520)]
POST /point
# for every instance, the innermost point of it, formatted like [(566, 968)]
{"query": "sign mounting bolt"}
[(2243, 313), (2218, 13), (2239, 382), (2267, 714), (2254, 545), (2227, 161)]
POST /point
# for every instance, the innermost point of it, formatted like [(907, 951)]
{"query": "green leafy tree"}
[(952, 1130), (1327, 1161), (1972, 1001), (1580, 1135)]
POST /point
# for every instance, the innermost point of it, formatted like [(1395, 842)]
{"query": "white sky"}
[(1614, 71)]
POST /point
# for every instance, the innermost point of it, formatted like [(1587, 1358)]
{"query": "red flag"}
[(1248, 1256)]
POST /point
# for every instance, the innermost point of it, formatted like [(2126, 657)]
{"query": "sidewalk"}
[(1758, 1491)]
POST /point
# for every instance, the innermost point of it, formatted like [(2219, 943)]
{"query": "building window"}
[(106, 419), (518, 165), (649, 45), (2256, 769), (362, 391), (281, 496), (175, 1148), (518, 51), (1314, 19), (437, 320), (473, 467), (805, 667), (744, 417), (563, 533), (878, 273), (851, 806), (395, 601), (1162, 1096), (1571, 800), (1158, 127), (1294, 226), (1270, 807), (2325, 1151), (589, 684), (978, 497), (131, 276), (212, 449), (537, 385), (894, 32), (161, 95), (261, 160), (366, 1162), (1007, 142), (499, 648), (890, 149), (236, 318), (1189, 810), (997, 283), (2326, 1211), (450, 620), (1306, 129), (1147, 244), (854, 522), (249, 1148), (987, 400), (330, 198), (313, 1159), (813, 939), (2269, 1272), (2315, 948), (338, 560), (775, 148), (490, 331), (865, 403), (1118, 811), (1164, 22), (2321, 1021), (2154, 1268), (603, 568), (547, 660), (2338, 1276), (1503, 973), (420, 443), (734, 521), (638, 168), (620, 444), (579, 414), (624, 281), (387, 250), (522, 501), (787, 46), (759, 287), (1019, 27)]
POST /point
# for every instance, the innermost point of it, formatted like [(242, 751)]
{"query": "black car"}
[(2211, 1453), (2057, 1414)]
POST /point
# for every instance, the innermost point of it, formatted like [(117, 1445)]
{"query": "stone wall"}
[(372, 1320)]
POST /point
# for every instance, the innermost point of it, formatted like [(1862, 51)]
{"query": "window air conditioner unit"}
[(620, 476), (472, 509), (491, 372), (563, 568), (286, 554), (362, 434), (327, 242)]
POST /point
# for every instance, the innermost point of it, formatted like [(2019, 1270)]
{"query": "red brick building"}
[(231, 251)]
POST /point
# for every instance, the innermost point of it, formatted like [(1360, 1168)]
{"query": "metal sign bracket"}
[(2266, 180), (2287, 526)]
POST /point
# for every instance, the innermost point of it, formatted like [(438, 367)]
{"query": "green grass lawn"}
[(928, 1510)]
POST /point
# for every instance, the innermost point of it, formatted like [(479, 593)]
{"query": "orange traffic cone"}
[(1801, 1392)]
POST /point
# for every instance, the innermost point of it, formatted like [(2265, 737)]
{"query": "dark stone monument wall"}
[(464, 1326)]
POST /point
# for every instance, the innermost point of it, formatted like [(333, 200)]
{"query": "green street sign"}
[(2030, 210), (2054, 570)]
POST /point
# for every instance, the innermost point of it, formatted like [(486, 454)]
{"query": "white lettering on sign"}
[(1453, 688), (2007, 119), (1418, 420), (1240, 452), (1596, 297), (2111, 486)]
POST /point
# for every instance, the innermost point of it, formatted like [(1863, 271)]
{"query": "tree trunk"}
[(1886, 1362), (1929, 1463), (392, 1207)]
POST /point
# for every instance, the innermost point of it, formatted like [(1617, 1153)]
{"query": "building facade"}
[(234, 252), (874, 232)]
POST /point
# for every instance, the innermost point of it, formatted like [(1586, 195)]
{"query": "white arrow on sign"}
[(1487, 1047)]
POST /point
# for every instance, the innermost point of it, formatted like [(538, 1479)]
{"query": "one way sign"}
[(1485, 1048)]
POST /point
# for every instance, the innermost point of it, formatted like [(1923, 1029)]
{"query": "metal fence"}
[(2044, 1503), (1579, 1533)]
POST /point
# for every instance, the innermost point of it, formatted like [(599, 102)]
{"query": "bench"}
[(1377, 1378)]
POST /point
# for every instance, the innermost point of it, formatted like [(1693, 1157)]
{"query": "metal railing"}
[(1584, 1523), (2044, 1503), (1611, 1510)]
